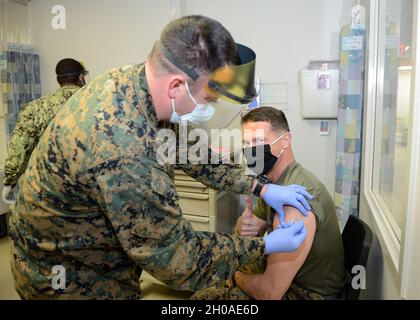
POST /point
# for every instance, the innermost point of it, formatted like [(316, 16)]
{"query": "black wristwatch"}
[(261, 181)]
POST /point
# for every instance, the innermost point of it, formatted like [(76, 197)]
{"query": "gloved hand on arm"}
[(286, 238), (278, 196)]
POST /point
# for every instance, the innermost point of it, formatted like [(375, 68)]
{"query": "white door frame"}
[(402, 249), (410, 262)]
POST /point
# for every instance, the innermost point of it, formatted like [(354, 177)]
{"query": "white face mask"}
[(275, 141), (201, 113)]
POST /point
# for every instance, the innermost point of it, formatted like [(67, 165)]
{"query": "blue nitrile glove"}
[(287, 224), (286, 238), (278, 196)]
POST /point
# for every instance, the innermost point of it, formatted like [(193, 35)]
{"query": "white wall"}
[(101, 33), (285, 34)]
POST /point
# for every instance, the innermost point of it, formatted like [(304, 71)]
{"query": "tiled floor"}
[(152, 289)]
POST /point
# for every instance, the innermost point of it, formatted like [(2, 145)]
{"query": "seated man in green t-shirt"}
[(316, 270)]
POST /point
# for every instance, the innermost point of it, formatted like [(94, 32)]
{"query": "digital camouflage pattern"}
[(229, 291), (95, 200), (32, 122)]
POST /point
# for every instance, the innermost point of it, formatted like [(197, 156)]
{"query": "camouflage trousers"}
[(229, 291)]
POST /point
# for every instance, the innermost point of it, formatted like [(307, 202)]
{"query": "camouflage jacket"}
[(95, 201), (33, 120)]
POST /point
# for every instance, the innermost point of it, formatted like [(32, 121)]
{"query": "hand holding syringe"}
[(287, 224)]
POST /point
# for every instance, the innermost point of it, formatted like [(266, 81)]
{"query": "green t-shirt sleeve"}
[(260, 210), (316, 207)]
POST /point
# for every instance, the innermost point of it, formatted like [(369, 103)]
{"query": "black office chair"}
[(3, 225), (357, 240)]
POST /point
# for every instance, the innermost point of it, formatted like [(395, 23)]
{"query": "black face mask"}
[(260, 159)]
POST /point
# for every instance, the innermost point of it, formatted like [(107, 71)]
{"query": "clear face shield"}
[(235, 83), (231, 87)]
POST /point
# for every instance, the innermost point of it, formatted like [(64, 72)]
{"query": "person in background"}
[(34, 119)]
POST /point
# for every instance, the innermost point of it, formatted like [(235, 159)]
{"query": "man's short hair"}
[(198, 42), (274, 116), (68, 71)]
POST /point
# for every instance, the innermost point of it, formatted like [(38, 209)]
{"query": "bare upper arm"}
[(283, 267)]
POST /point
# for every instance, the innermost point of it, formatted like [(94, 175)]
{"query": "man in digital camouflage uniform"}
[(96, 201), (34, 119)]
